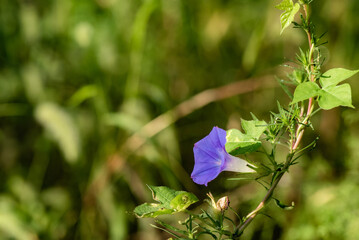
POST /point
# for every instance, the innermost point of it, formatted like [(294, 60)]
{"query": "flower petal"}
[(215, 141), (206, 167), (235, 164), (204, 177), (209, 156)]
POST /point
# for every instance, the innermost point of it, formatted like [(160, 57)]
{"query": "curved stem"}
[(261, 205), (298, 134), (254, 213)]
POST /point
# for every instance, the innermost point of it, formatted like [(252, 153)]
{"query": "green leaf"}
[(183, 200), (336, 75), (163, 195), (290, 10), (169, 201), (254, 128), (334, 96), (331, 96), (241, 143), (305, 91), (238, 143), (151, 210)]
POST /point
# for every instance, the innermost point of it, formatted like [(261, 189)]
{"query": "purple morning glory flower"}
[(211, 158)]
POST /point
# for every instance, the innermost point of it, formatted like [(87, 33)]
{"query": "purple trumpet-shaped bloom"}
[(211, 158)]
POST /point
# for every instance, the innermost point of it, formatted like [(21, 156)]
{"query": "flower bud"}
[(223, 203)]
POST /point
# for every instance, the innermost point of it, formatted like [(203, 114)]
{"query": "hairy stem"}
[(298, 133), (300, 128)]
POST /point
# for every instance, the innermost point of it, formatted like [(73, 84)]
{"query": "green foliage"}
[(331, 95), (334, 96), (241, 143), (290, 10), (210, 222), (76, 175), (170, 201), (335, 75), (305, 91)]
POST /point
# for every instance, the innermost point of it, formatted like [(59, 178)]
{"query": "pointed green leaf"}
[(183, 200), (151, 210), (253, 129), (305, 91), (241, 143), (163, 195), (334, 96), (237, 143), (290, 10), (336, 75), (170, 202)]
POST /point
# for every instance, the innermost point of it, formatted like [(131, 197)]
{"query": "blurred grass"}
[(78, 78)]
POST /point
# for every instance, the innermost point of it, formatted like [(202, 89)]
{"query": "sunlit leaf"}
[(253, 128), (331, 96), (305, 91), (336, 75), (151, 210), (290, 10), (241, 143), (334, 96), (169, 201), (183, 200)]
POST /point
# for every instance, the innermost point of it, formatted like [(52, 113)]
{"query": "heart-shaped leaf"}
[(241, 143)]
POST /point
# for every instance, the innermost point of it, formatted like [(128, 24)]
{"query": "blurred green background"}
[(80, 79)]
